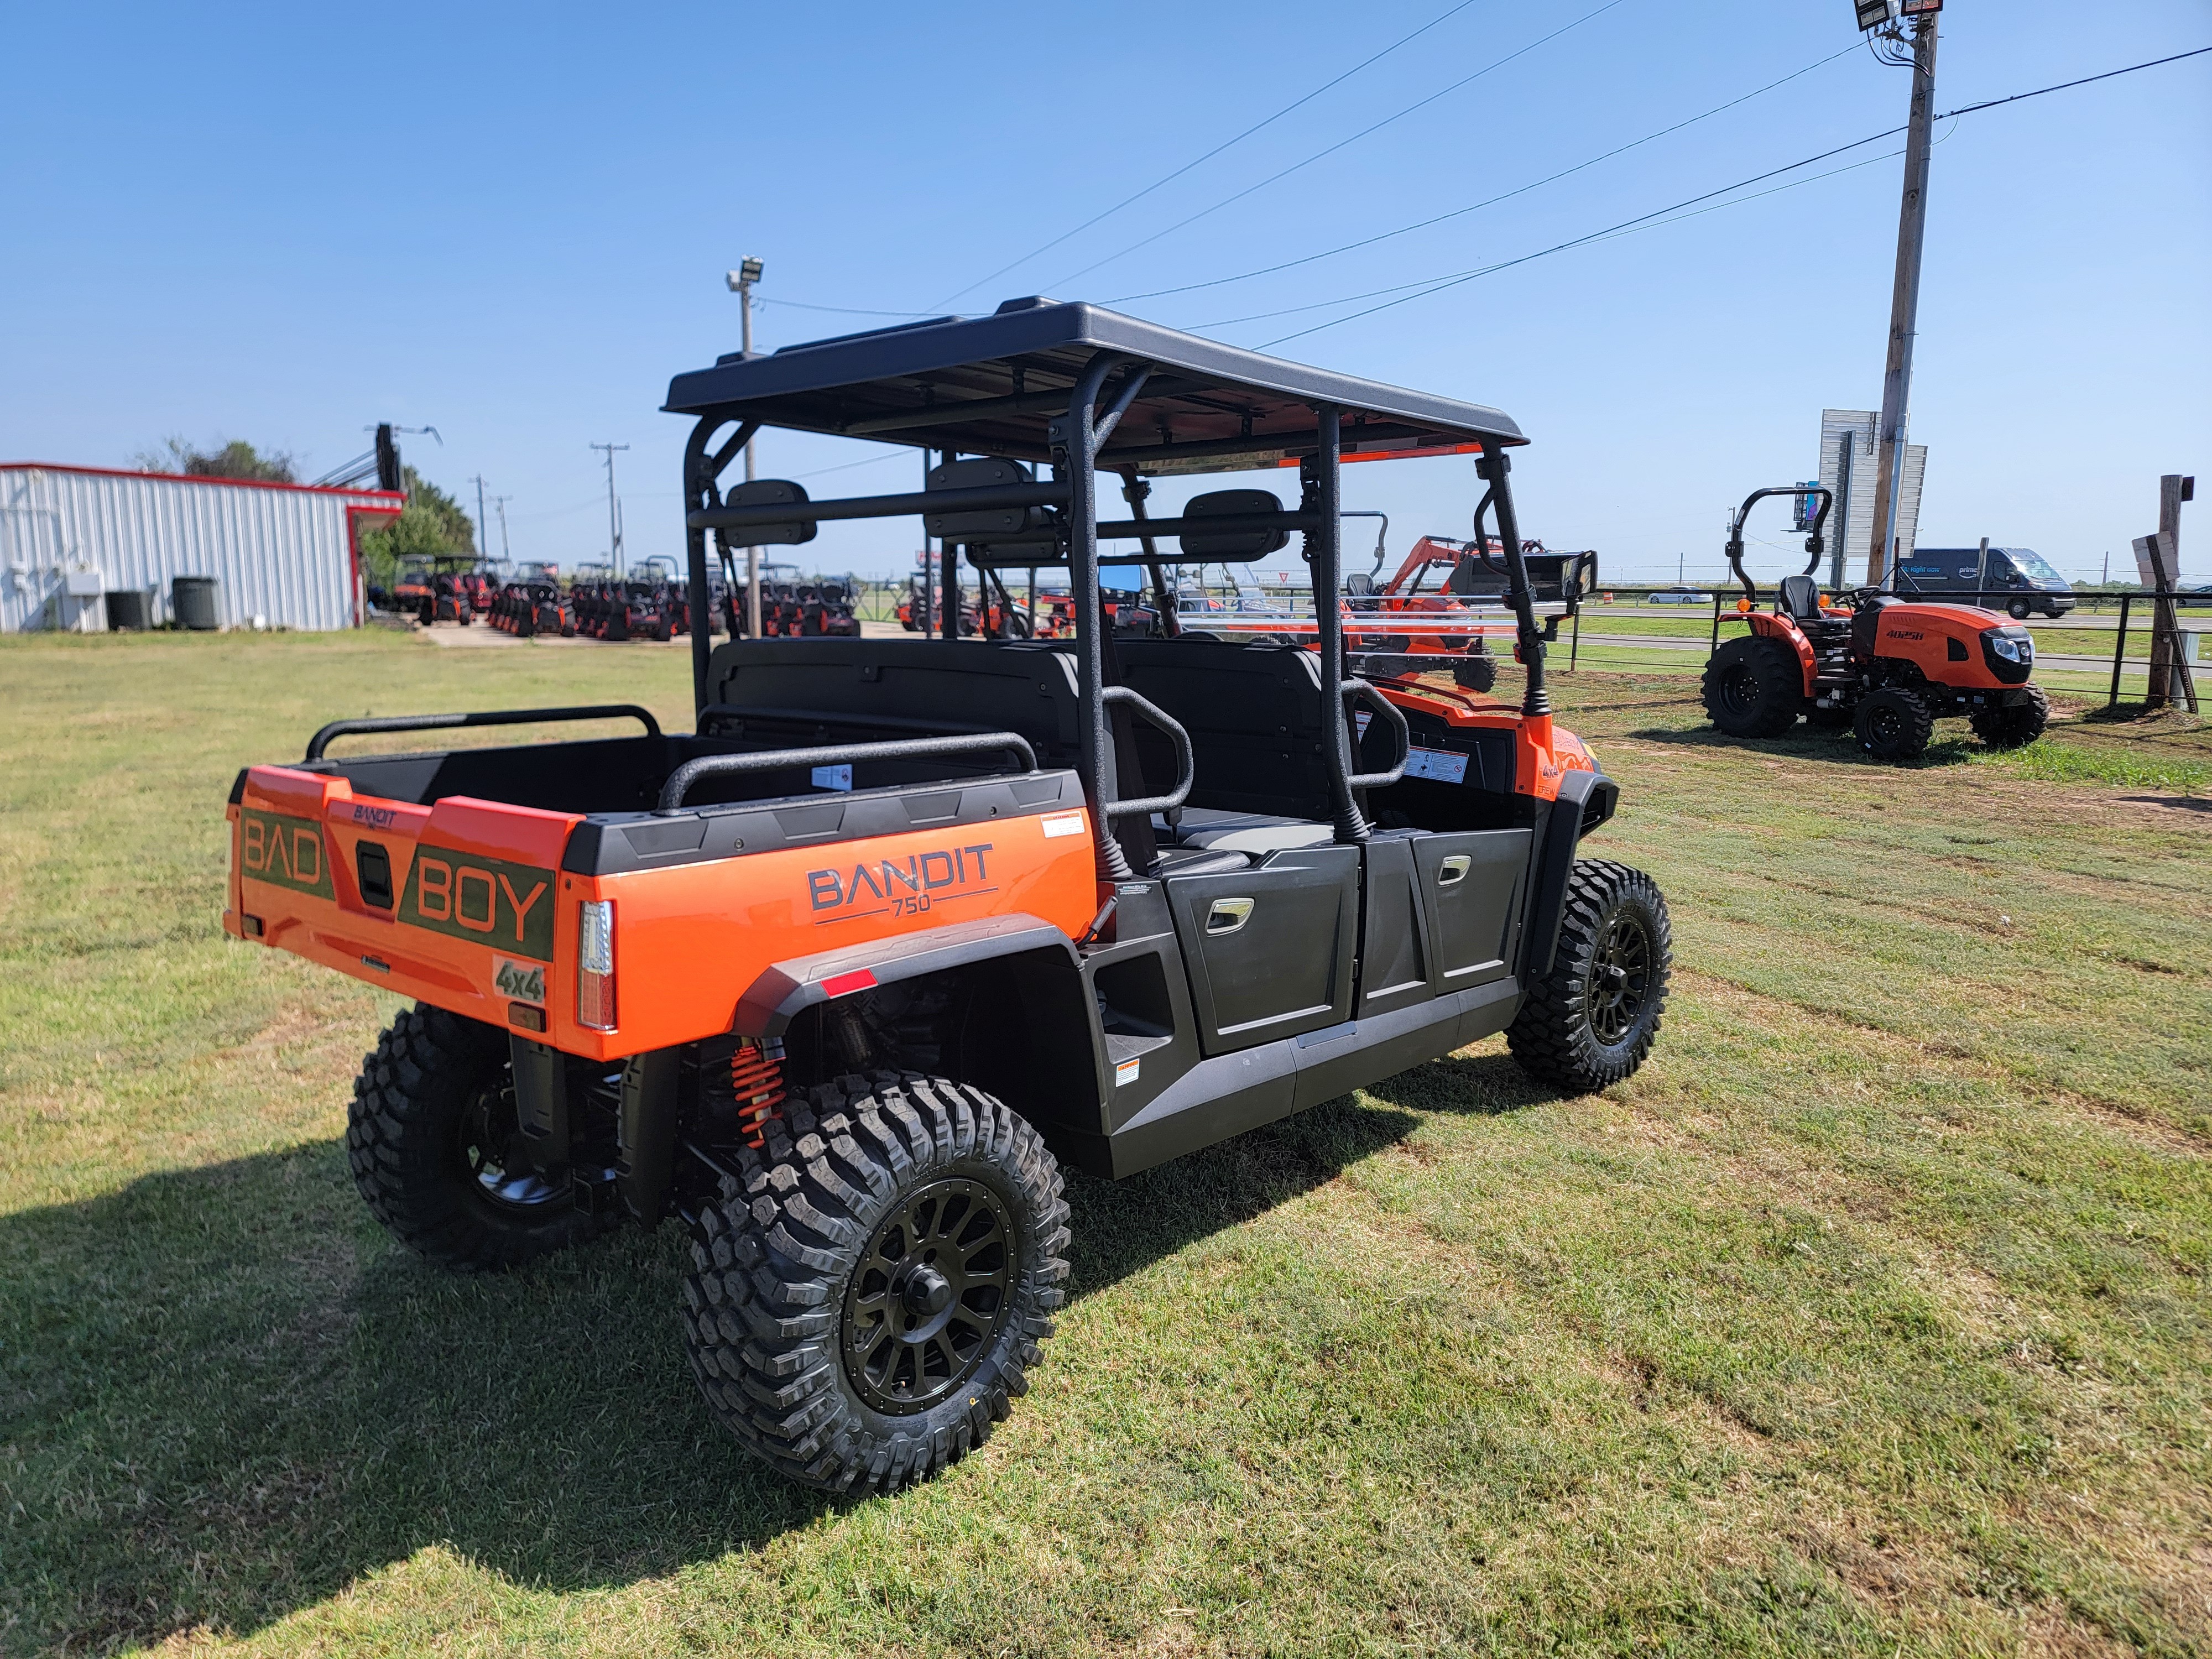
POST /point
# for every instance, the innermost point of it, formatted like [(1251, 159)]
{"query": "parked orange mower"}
[(1886, 668)]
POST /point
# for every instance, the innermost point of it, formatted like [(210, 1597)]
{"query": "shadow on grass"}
[(1838, 747), (225, 1395)]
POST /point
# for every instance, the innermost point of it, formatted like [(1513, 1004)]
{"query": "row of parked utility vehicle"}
[(654, 603)]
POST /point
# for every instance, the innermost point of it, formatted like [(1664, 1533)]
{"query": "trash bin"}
[(192, 602), (128, 608)]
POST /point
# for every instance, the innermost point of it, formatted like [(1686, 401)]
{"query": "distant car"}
[(1681, 596), (2015, 579)]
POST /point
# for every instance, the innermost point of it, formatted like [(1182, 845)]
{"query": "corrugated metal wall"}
[(278, 554)]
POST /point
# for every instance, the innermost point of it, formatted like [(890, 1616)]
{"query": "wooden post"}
[(2160, 561)]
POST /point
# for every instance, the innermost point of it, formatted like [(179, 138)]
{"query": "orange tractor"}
[(1446, 626), (1886, 668)]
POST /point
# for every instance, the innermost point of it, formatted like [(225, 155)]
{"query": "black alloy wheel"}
[(1619, 978), (870, 1291), (487, 1129), (930, 1293), (1591, 1018)]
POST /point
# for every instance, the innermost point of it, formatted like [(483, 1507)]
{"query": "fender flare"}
[(1585, 799), (786, 989)]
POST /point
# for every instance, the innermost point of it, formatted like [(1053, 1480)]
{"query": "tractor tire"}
[(1754, 687), (1893, 725), (428, 1137), (2016, 726), (1475, 673), (815, 1316), (1591, 1020)]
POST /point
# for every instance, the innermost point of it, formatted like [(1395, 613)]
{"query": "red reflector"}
[(843, 985), (251, 925), (529, 1018)]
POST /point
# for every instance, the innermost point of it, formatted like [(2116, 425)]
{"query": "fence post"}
[(2119, 650), (1575, 640)]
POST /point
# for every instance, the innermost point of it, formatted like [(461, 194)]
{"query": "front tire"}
[(868, 1297), (2015, 725), (1754, 687), (433, 1139), (1592, 1019), (1893, 725), (1477, 671)]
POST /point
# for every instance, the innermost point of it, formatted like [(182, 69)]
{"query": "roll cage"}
[(1084, 391)]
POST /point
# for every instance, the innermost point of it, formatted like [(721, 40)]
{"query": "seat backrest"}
[(1800, 596), (1254, 718)]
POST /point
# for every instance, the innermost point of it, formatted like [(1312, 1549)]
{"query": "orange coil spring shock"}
[(756, 1081)]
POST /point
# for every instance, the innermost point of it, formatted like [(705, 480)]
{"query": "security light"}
[(1873, 14), (1923, 8), (745, 275)]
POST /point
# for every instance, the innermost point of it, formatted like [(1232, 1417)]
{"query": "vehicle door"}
[(1269, 949)]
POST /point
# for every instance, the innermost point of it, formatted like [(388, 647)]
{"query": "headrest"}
[(1234, 544)]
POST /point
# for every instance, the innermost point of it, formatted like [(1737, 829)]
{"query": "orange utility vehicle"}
[(1886, 668), (1444, 627), (843, 976)]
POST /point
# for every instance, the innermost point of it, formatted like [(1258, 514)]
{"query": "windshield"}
[(2029, 562)]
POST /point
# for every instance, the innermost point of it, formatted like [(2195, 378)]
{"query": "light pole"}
[(741, 283), (483, 530), (499, 505), (1885, 19), (614, 523)]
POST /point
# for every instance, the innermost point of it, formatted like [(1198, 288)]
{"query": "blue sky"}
[(511, 223)]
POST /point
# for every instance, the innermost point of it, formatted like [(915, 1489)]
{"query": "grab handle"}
[(604, 711)]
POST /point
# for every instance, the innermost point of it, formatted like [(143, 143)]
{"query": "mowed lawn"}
[(1870, 1318)]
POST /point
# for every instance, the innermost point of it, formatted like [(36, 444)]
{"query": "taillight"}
[(595, 966)]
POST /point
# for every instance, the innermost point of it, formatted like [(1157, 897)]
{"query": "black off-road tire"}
[(1891, 724), (2015, 725), (1591, 1020), (833, 1220), (1476, 672), (433, 1112), (1754, 687)]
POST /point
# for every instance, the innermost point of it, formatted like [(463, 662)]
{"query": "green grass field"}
[(1870, 1318)]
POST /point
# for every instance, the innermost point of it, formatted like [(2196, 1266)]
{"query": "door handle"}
[(1227, 915), (1453, 870)]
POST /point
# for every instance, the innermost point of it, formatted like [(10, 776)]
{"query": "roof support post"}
[(1075, 453), (1323, 487), (700, 470), (1492, 468)]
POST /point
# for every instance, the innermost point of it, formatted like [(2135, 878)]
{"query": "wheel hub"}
[(928, 1295), (489, 1130), (1620, 979)]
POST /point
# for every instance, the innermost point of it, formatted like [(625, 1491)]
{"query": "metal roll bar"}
[(604, 711), (1813, 543), (839, 753)]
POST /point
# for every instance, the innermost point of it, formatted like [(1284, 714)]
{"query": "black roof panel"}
[(987, 385)]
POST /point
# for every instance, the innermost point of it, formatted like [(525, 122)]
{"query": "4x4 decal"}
[(285, 852), (487, 901)]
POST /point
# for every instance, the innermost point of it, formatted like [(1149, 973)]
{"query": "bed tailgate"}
[(454, 903)]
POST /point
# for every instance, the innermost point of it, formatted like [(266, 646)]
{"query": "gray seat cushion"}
[(1255, 833)]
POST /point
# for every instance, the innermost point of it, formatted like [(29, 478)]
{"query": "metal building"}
[(283, 555)]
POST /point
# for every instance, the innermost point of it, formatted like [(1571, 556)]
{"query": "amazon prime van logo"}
[(889, 887)]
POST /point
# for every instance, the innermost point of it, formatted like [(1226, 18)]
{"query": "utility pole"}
[(499, 505), (483, 530), (1904, 293), (741, 283), (614, 524), (2169, 672)]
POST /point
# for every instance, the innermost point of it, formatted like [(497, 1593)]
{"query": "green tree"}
[(230, 459), (433, 523)]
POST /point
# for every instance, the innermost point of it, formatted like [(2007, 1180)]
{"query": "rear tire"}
[(1893, 725), (2016, 725), (1591, 1020), (428, 1137), (1754, 687), (815, 1318), (1475, 673)]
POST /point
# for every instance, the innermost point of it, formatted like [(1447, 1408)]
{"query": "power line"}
[(1438, 285), (1332, 149), (1476, 207), (1201, 161)]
